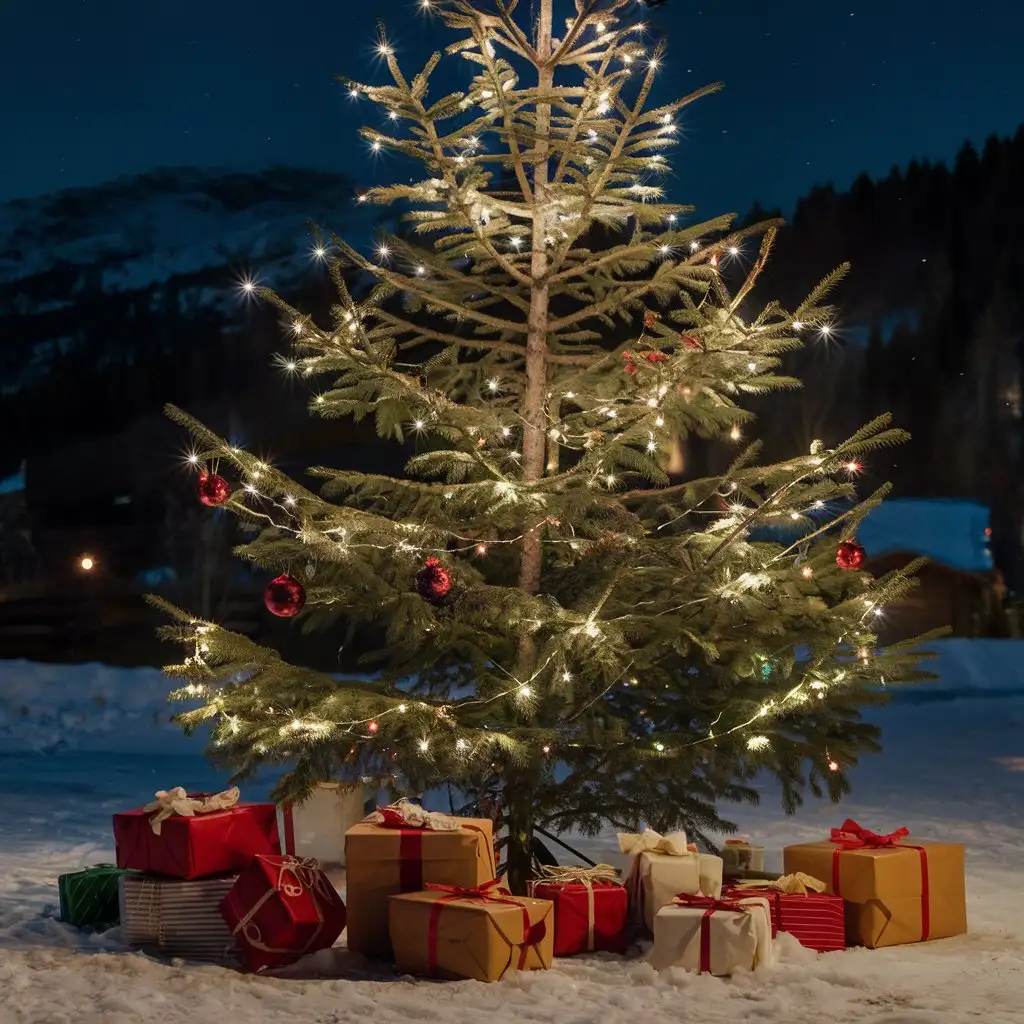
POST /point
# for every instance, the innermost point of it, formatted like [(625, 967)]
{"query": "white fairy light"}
[(403, 707), (424, 745), (824, 331), (506, 431), (493, 384), (653, 63), (319, 252), (694, 246), (247, 286), (353, 93), (375, 145), (734, 250), (393, 115), (798, 325), (659, 747), (421, 271), (660, 421), (735, 434), (418, 424), (758, 742), (461, 744), (383, 50), (383, 250), (751, 367), (525, 691)]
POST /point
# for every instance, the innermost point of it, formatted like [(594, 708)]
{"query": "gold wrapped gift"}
[(383, 861), (482, 933), (894, 892)]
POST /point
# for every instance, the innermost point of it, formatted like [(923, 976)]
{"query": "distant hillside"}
[(117, 298)]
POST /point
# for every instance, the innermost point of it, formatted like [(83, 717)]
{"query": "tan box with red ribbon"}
[(481, 933), (401, 850), (712, 936), (894, 891)]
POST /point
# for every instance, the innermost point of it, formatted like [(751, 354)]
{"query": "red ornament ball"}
[(850, 555), (650, 319), (285, 596), (433, 581), (214, 490)]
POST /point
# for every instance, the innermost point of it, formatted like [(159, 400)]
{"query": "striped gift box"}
[(815, 919), (178, 918)]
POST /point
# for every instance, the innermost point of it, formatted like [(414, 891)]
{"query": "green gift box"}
[(89, 897)]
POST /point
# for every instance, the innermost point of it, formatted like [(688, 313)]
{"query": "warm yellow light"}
[(87, 564)]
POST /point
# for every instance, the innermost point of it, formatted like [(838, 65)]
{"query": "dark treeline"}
[(931, 328)]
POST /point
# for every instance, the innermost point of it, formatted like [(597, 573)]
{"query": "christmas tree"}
[(571, 629)]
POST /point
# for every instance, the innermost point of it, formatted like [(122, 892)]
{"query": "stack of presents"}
[(250, 885)]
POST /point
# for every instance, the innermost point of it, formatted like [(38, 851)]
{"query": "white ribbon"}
[(649, 841), (171, 802), (415, 816), (572, 874)]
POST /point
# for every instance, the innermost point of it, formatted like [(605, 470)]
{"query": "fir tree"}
[(616, 647)]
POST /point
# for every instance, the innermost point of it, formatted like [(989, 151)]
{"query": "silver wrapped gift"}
[(178, 918)]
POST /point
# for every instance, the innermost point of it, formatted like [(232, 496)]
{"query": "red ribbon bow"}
[(851, 836), (709, 905), (483, 893)]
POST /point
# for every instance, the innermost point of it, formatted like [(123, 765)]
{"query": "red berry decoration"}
[(630, 365), (214, 490), (691, 342), (433, 581), (850, 555), (657, 357), (285, 597), (650, 320)]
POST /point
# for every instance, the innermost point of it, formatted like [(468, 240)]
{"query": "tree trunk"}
[(520, 786), (519, 812)]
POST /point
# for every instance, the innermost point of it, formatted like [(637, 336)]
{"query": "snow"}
[(952, 769), (946, 530)]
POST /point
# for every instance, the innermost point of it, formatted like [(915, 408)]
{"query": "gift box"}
[(662, 866), (401, 852), (740, 856), (280, 909), (799, 905), (89, 898), (894, 891), (481, 933), (712, 936), (590, 908), (177, 918), (190, 837), (316, 827)]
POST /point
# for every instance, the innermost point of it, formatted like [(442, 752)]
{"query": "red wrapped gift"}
[(799, 905), (590, 908), (282, 908), (194, 836)]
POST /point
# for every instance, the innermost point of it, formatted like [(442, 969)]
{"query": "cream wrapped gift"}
[(712, 936), (662, 866), (316, 826)]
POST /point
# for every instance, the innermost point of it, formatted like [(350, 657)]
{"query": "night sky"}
[(816, 91)]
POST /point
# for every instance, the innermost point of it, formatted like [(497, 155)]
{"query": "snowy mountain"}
[(188, 234)]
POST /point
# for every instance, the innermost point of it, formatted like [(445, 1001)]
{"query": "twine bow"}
[(852, 837), (176, 801), (649, 841), (295, 876), (405, 814)]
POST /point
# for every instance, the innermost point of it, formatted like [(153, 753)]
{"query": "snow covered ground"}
[(77, 744)]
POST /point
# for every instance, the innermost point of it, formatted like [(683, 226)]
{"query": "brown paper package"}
[(882, 889), (475, 940), (464, 858)]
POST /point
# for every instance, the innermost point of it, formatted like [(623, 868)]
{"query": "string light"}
[(373, 727), (807, 572), (833, 766), (735, 434), (424, 745), (87, 563)]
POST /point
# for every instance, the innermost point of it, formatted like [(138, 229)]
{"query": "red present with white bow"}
[(316, 827), (591, 908), (712, 936), (280, 909), (800, 906), (661, 866), (190, 836)]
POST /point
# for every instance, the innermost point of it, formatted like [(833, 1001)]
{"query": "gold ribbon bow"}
[(649, 841), (572, 874), (176, 801), (798, 884)]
